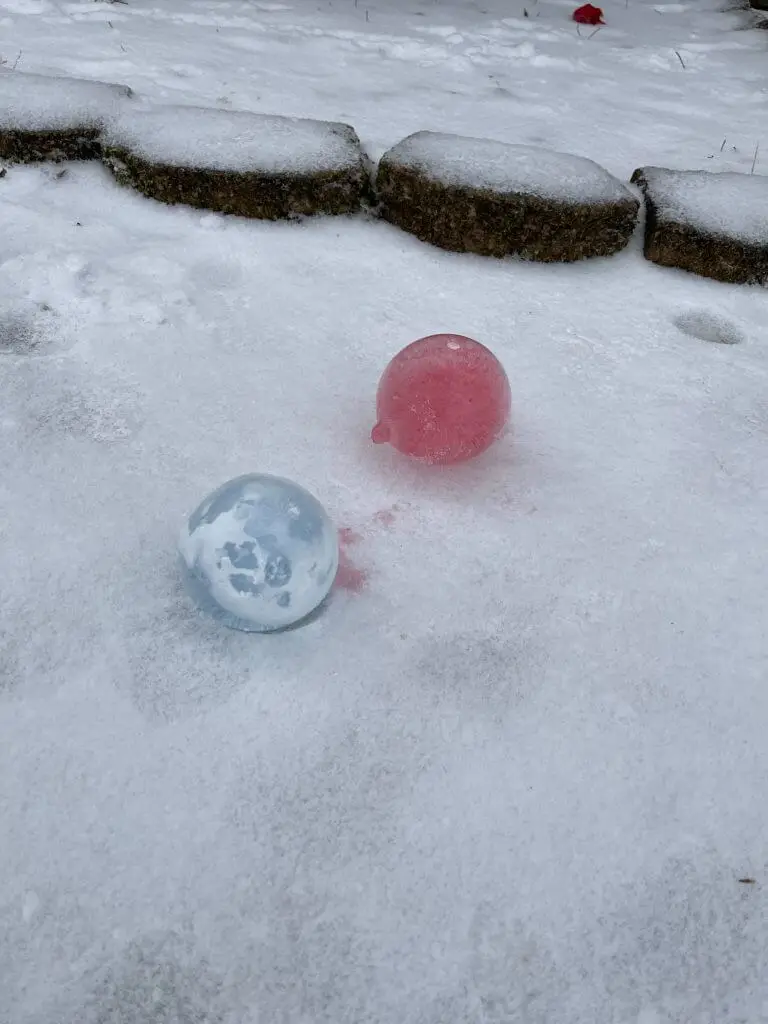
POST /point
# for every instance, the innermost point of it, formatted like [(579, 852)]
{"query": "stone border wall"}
[(460, 194)]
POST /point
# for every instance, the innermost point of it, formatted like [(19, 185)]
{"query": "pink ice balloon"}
[(442, 399)]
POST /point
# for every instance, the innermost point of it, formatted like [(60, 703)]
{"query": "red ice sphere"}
[(443, 399)]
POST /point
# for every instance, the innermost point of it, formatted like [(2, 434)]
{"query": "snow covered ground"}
[(519, 775)]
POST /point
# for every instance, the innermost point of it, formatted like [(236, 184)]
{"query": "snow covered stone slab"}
[(250, 165), (50, 118), (712, 223), (495, 199)]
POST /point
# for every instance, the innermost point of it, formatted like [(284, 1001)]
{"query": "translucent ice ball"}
[(259, 554)]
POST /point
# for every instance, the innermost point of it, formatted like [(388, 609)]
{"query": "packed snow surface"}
[(486, 164), (234, 141), (517, 769), (726, 204)]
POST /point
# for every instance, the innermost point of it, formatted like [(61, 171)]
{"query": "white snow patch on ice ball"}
[(259, 554)]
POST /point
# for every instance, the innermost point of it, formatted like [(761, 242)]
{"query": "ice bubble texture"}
[(259, 554)]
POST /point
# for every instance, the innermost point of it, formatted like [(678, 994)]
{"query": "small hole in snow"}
[(706, 326)]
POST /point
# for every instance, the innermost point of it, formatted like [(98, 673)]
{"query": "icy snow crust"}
[(39, 102), (726, 204), (234, 141), (518, 777), (485, 164)]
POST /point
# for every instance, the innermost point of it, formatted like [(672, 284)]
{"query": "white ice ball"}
[(259, 553)]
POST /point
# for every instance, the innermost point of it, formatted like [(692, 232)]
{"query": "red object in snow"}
[(588, 14), (442, 399)]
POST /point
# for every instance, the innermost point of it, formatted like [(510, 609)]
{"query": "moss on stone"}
[(501, 223), (18, 146), (255, 192), (672, 241)]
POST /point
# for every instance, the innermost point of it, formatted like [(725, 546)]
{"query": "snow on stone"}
[(724, 203), (45, 103), (234, 140), (486, 164)]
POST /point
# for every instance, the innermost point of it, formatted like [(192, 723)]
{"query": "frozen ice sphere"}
[(259, 553)]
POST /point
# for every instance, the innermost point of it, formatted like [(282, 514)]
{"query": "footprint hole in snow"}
[(707, 326)]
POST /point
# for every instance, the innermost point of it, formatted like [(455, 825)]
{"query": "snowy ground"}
[(519, 775)]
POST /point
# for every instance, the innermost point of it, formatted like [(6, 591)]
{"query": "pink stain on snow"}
[(386, 516), (349, 576), (348, 537)]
